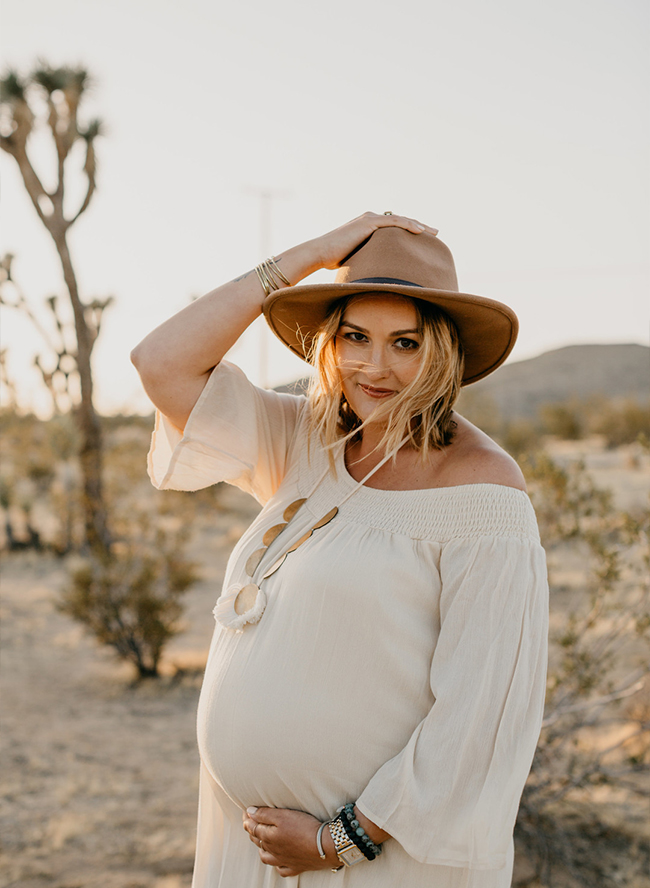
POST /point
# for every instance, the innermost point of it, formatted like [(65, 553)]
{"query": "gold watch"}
[(347, 851)]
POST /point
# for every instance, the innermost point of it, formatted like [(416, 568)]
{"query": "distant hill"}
[(519, 388), (615, 371)]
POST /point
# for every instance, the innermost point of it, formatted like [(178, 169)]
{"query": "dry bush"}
[(565, 420), (131, 598), (591, 769), (621, 422), (39, 483), (132, 601), (618, 420), (519, 437)]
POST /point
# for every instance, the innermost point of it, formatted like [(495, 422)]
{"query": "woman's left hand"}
[(286, 839)]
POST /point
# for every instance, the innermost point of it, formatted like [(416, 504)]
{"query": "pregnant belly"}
[(284, 731), (301, 709)]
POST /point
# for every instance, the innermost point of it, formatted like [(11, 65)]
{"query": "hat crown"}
[(394, 253)]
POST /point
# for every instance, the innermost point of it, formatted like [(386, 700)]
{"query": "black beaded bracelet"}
[(358, 841), (357, 834)]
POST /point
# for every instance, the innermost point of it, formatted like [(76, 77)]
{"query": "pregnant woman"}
[(374, 689)]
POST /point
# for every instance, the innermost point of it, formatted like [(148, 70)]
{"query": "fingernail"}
[(251, 810), (435, 230), (420, 227)]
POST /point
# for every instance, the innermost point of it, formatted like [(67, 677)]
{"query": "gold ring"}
[(388, 213)]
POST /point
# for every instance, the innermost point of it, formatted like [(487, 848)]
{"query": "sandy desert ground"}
[(100, 774)]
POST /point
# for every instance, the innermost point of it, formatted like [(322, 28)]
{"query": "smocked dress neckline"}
[(348, 481)]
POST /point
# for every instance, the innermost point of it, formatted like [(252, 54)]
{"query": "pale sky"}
[(519, 129)]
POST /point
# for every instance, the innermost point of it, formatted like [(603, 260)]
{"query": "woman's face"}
[(378, 348)]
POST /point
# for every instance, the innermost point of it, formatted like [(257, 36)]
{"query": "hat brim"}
[(487, 328)]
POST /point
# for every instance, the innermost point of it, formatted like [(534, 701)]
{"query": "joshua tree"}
[(63, 90), (127, 591)]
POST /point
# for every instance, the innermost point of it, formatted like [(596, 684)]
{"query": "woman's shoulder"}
[(474, 458)]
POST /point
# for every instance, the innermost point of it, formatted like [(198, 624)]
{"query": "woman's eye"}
[(354, 336), (407, 344)]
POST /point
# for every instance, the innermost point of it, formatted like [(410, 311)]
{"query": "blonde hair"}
[(422, 410)]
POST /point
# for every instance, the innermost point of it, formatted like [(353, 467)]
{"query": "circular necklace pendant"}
[(239, 606), (245, 599)]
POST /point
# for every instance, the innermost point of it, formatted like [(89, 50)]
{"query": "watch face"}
[(351, 855)]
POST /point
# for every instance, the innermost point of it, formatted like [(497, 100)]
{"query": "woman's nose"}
[(377, 367)]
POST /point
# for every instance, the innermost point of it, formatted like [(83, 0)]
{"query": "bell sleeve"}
[(451, 795), (236, 433)]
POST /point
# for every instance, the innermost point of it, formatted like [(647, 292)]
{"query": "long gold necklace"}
[(244, 603)]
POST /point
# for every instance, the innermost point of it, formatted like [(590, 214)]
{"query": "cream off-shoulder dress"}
[(399, 662)]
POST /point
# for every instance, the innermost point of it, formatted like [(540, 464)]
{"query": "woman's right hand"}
[(175, 359), (333, 247)]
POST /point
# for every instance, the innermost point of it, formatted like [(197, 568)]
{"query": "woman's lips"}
[(376, 392)]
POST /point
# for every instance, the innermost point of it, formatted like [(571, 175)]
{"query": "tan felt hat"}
[(393, 260)]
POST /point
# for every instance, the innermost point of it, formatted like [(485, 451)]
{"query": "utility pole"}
[(265, 196)]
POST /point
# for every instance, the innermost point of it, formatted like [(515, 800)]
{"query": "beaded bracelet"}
[(357, 833), (357, 840)]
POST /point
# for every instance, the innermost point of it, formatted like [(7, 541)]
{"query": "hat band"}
[(385, 281)]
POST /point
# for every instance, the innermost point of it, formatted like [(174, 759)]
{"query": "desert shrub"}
[(129, 598), (564, 420), (40, 482), (596, 727), (519, 437), (132, 601), (618, 421), (621, 423)]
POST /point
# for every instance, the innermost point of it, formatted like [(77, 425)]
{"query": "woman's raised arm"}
[(175, 360)]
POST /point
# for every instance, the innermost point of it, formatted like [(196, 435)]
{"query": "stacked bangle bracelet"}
[(270, 276)]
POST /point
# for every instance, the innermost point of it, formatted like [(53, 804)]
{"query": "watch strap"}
[(348, 853)]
